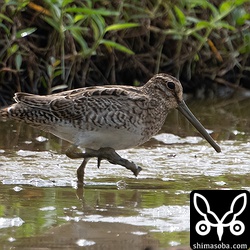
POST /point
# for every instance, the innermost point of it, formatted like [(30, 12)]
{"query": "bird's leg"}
[(71, 153), (110, 155), (80, 171)]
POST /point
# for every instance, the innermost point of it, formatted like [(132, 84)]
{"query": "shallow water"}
[(42, 208)]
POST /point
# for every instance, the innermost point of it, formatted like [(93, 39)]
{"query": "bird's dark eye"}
[(171, 85)]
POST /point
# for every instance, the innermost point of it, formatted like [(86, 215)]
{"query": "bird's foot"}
[(110, 155)]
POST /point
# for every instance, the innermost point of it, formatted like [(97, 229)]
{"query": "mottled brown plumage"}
[(106, 118)]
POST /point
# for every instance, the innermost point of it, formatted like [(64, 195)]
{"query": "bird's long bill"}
[(183, 108)]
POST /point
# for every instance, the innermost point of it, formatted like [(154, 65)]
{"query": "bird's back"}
[(94, 117)]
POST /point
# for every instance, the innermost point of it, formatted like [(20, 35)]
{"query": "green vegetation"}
[(54, 45)]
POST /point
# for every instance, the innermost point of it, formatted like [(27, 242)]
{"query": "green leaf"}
[(121, 26), (117, 46), (18, 61), (240, 15), (224, 25), (240, 2), (53, 23), (203, 4), (56, 10), (98, 26), (245, 48), (6, 29), (66, 2), (242, 19), (180, 15), (226, 7), (13, 49), (203, 24), (77, 28), (79, 17), (25, 32), (88, 11), (79, 38), (4, 17), (213, 25), (57, 73), (59, 87), (191, 19)]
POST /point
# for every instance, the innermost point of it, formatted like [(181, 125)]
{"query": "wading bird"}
[(104, 119)]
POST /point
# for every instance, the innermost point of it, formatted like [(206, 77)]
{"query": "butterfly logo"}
[(210, 219)]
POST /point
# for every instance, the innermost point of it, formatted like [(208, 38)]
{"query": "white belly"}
[(114, 138)]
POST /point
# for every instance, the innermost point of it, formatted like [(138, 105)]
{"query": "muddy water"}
[(42, 208)]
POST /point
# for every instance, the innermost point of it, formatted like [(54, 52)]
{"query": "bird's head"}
[(169, 89)]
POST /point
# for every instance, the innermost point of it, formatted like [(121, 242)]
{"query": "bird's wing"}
[(98, 103), (90, 101)]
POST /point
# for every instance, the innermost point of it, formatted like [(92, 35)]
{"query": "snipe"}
[(105, 118)]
